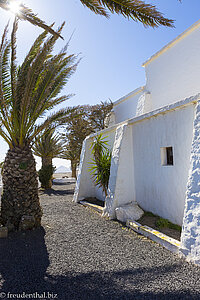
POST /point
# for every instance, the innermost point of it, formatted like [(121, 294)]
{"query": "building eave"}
[(131, 94), (160, 111), (172, 43)]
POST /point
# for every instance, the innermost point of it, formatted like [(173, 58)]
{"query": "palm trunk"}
[(47, 161), (20, 200), (73, 168)]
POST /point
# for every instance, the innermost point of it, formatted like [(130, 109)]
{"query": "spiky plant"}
[(100, 165), (27, 93)]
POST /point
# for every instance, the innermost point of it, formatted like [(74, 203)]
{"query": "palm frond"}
[(29, 91), (137, 10), (48, 144), (27, 14), (24, 68), (96, 7), (53, 120), (13, 67)]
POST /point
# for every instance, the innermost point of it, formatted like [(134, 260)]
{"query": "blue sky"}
[(112, 50)]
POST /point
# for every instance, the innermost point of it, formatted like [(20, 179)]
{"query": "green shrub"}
[(45, 176), (164, 223), (149, 214)]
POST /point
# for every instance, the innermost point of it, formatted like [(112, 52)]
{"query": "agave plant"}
[(27, 93), (100, 165)]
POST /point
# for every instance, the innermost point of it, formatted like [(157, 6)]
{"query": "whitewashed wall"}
[(174, 74), (137, 173), (161, 189), (125, 108)]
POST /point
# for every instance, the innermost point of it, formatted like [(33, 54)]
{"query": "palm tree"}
[(71, 153), (77, 127), (27, 93), (137, 10), (47, 146)]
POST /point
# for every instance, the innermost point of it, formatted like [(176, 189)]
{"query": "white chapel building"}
[(155, 141)]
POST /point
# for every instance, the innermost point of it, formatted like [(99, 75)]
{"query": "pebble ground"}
[(77, 254)]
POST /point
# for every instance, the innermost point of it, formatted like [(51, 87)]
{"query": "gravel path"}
[(79, 255)]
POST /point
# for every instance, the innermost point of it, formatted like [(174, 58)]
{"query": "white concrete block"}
[(129, 212)]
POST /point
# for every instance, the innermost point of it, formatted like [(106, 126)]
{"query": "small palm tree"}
[(47, 146), (27, 93)]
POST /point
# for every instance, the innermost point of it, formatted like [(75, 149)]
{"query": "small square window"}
[(167, 156)]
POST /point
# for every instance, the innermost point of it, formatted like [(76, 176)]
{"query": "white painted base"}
[(156, 236)]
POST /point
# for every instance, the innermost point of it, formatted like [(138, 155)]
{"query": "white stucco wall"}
[(84, 184), (125, 108), (174, 74), (190, 236), (121, 188), (161, 189)]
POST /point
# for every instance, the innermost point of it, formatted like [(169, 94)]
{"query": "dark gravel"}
[(79, 255)]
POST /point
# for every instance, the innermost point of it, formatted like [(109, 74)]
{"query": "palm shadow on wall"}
[(24, 262)]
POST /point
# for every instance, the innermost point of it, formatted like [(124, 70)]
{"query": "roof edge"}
[(172, 43), (159, 111), (126, 97)]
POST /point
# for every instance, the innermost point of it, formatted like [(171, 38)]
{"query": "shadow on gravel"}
[(52, 192), (24, 263), (62, 183)]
